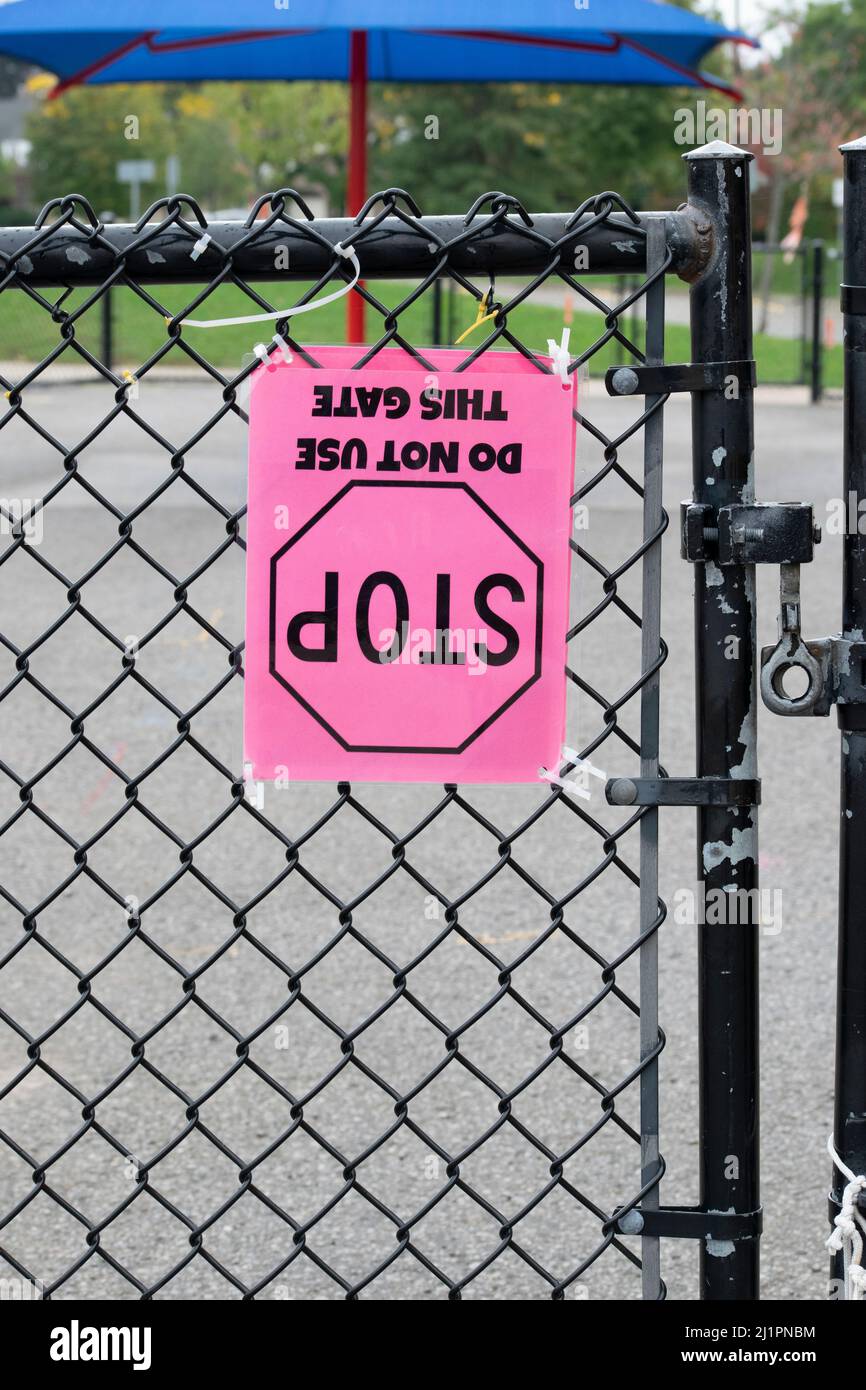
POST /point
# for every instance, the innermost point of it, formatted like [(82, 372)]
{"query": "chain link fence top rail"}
[(377, 1041)]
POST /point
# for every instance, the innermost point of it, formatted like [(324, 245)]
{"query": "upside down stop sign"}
[(407, 569)]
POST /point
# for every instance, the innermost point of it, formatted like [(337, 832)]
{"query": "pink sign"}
[(407, 569)]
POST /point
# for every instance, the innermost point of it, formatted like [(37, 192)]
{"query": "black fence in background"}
[(798, 338), (791, 286)]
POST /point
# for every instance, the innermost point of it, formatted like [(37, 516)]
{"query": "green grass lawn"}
[(27, 332)]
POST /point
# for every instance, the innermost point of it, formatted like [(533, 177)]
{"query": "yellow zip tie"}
[(480, 317)]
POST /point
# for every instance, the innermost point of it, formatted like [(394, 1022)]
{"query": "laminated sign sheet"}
[(407, 569)]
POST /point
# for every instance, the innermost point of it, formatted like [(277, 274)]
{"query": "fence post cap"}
[(854, 146), (718, 149)]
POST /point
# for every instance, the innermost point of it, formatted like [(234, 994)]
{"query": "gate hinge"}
[(756, 533), (679, 376), (683, 791), (691, 1223)]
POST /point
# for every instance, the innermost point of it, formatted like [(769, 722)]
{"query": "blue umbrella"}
[(628, 42)]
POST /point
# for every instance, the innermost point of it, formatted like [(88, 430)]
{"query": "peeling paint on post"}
[(726, 707)]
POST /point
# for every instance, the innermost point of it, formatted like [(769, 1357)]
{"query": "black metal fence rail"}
[(393, 239)]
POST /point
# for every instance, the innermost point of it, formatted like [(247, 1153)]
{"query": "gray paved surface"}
[(798, 457)]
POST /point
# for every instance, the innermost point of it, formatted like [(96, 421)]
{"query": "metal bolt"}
[(631, 1224), (624, 381), (622, 792)]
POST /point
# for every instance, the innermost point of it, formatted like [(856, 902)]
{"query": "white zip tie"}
[(560, 356), (569, 781), (200, 246), (285, 350), (263, 353), (345, 251), (850, 1228), (130, 383)]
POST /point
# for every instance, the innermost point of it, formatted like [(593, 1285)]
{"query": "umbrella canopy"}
[(623, 42), (610, 41)]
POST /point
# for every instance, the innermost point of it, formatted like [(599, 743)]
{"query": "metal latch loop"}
[(790, 653)]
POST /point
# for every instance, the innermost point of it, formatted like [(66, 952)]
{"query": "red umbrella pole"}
[(357, 174)]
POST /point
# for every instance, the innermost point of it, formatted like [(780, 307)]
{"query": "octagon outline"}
[(311, 522)]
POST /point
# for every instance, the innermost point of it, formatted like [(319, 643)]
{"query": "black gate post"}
[(726, 714), (849, 1129), (437, 313), (804, 253), (817, 382), (107, 334)]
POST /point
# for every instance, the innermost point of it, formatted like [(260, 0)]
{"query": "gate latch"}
[(834, 666), (783, 534), (756, 533), (791, 653)]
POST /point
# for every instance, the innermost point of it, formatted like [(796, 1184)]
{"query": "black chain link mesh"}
[(373, 1040)]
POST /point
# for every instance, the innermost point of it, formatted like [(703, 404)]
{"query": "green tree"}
[(818, 83), (549, 146), (293, 133), (234, 140), (829, 42), (78, 140)]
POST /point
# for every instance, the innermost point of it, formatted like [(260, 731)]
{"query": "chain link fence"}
[(316, 1041)]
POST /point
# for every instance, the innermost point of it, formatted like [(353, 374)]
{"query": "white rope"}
[(850, 1229), (345, 251)]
